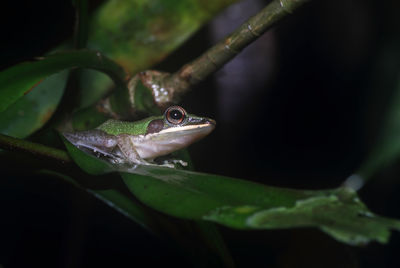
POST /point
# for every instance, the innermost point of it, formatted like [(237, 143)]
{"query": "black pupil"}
[(176, 114)]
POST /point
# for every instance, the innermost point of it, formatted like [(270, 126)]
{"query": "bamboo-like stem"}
[(215, 57), (167, 89), (81, 24), (18, 145)]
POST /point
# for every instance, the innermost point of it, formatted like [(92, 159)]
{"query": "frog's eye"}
[(175, 115)]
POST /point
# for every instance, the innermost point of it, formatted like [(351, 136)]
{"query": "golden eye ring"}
[(175, 115)]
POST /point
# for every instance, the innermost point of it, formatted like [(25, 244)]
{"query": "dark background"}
[(309, 112)]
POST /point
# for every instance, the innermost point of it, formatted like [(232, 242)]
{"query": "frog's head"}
[(176, 120), (175, 130)]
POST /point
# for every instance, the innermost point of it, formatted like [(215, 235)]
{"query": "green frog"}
[(143, 141)]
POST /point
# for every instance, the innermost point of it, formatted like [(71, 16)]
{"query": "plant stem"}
[(167, 89), (81, 24), (215, 57), (71, 97), (81, 58), (14, 144)]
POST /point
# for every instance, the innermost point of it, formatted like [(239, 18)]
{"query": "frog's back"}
[(116, 127)]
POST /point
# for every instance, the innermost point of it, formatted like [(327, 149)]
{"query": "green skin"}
[(142, 141)]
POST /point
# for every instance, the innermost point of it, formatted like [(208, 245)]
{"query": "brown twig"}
[(215, 57)]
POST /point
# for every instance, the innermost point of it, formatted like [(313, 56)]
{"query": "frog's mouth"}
[(192, 126)]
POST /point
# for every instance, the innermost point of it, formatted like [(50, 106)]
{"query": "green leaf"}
[(383, 112), (125, 205), (121, 203), (33, 110), (20, 79), (338, 212), (245, 205), (94, 85), (89, 164), (387, 148)]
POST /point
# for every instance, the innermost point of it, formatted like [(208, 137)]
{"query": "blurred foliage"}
[(135, 35), (131, 32)]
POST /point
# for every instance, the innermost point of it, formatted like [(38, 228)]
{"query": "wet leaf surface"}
[(242, 204), (33, 110)]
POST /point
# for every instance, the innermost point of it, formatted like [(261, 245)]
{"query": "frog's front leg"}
[(127, 148), (173, 162)]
